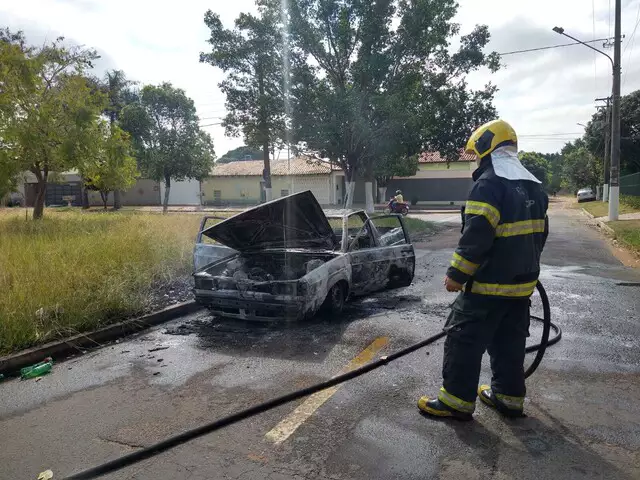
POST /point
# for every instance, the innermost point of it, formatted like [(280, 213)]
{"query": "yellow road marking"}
[(291, 422)]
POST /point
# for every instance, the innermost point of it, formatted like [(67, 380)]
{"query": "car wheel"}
[(334, 303)]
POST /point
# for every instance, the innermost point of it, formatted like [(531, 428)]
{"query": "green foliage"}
[(628, 233), (580, 168), (239, 154), (167, 136), (594, 136), (117, 88), (111, 167), (630, 200), (251, 55), (379, 81), (48, 108), (538, 165), (386, 168), (73, 272)]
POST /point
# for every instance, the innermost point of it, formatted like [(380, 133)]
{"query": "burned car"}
[(287, 259)]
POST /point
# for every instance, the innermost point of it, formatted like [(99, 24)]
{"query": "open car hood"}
[(296, 221)]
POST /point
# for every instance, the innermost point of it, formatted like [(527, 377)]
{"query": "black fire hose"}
[(184, 437)]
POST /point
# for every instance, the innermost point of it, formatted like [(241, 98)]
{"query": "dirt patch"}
[(166, 294)]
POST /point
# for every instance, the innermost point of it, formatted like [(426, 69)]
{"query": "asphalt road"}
[(583, 405)]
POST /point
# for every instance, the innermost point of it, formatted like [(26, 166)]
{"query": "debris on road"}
[(155, 349), (46, 475), (156, 373), (37, 370)]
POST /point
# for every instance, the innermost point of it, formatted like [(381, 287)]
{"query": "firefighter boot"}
[(435, 408), (506, 405)]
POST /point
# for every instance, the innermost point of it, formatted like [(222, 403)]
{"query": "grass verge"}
[(75, 271), (628, 233), (601, 209)]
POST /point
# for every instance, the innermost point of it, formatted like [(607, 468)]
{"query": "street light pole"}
[(614, 190)]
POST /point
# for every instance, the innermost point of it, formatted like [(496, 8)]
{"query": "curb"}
[(61, 349), (588, 214), (600, 224)]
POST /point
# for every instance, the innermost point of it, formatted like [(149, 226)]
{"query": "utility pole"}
[(607, 146), (614, 191)]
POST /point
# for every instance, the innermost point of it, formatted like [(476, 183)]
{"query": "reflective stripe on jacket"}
[(505, 229)]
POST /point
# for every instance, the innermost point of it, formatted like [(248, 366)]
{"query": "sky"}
[(543, 94)]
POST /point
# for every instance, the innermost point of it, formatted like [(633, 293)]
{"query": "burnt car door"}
[(369, 269), (206, 250), (395, 253)]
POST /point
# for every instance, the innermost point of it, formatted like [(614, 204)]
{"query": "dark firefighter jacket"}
[(505, 229)]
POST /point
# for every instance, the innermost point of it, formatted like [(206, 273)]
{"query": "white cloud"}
[(540, 93)]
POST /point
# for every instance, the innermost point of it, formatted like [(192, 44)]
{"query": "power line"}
[(548, 134), (552, 46), (631, 42), (210, 124), (595, 62), (609, 18)]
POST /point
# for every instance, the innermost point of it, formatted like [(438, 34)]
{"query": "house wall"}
[(466, 166), (184, 192), (246, 190), (432, 190), (236, 190), (145, 192)]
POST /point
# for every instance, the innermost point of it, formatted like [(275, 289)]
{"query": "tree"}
[(251, 56), (537, 165), (111, 167), (118, 90), (378, 78), (594, 136), (555, 173), (170, 144), (385, 168), (581, 167), (240, 154), (49, 108)]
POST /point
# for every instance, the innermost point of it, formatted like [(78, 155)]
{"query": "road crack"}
[(131, 445)]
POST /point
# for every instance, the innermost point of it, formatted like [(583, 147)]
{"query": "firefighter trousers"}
[(478, 323)]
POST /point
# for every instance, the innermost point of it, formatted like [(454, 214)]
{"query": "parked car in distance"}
[(586, 195), (286, 259)]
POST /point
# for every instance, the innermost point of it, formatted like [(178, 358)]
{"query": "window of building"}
[(284, 193), (217, 195)]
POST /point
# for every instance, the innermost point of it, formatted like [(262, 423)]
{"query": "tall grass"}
[(76, 271)]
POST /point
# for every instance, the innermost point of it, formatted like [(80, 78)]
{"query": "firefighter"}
[(495, 268)]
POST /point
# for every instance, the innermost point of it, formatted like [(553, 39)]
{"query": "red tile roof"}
[(253, 168), (434, 157)]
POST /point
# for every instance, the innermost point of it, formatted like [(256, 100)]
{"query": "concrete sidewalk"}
[(624, 216)]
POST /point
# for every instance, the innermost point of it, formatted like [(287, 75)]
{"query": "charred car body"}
[(286, 259)]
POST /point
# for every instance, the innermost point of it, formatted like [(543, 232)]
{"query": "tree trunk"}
[(117, 202), (368, 189), (368, 193), (268, 195), (85, 197), (41, 191), (105, 199), (382, 194), (167, 189)]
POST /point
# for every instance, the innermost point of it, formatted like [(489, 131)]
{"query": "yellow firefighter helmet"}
[(490, 136)]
